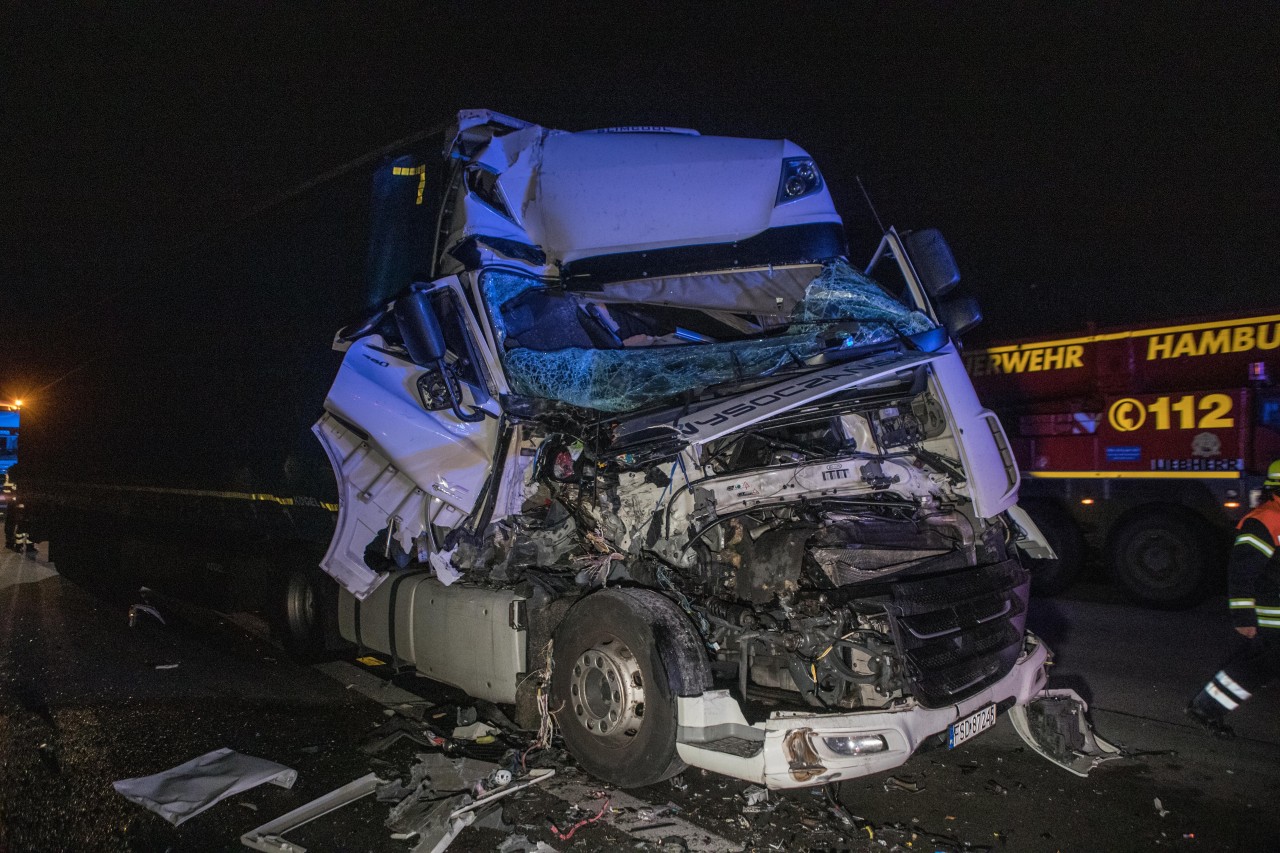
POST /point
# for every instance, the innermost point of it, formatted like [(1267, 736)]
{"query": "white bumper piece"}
[(792, 749)]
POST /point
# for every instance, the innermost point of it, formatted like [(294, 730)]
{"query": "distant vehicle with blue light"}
[(10, 420)]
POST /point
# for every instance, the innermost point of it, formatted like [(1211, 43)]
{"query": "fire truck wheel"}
[(1162, 560), (611, 689), (1052, 577)]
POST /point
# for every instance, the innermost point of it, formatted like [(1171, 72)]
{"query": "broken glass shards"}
[(621, 380), (559, 345), (841, 294)]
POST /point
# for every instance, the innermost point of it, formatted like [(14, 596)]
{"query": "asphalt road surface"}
[(85, 699)]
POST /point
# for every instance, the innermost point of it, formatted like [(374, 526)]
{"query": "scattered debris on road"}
[(269, 838), (1056, 725), (136, 610), (185, 791), (902, 783)]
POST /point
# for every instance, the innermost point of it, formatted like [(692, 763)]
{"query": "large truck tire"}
[(1162, 559), (1053, 577), (304, 604), (612, 686)]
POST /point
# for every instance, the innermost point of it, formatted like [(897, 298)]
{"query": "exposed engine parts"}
[(782, 543)]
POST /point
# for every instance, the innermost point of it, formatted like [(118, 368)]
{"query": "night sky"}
[(1087, 164)]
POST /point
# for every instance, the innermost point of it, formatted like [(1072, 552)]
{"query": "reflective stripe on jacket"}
[(1254, 571)]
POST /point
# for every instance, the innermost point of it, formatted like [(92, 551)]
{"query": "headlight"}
[(799, 178), (856, 744)]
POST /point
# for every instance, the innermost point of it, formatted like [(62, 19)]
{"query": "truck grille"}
[(960, 632)]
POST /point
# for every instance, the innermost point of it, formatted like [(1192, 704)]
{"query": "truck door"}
[(424, 447)]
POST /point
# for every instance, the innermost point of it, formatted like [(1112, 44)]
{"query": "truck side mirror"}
[(420, 328), (933, 261), (960, 315)]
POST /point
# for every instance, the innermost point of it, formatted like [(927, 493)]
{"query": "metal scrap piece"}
[(269, 837)]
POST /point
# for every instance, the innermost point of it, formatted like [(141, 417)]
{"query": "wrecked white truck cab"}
[(639, 441)]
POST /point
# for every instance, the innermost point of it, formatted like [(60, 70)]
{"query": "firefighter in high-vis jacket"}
[(1254, 590)]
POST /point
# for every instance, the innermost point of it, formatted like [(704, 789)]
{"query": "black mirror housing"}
[(420, 328), (960, 315), (933, 261)]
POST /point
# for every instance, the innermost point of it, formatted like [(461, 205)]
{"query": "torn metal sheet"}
[(183, 792), (269, 837), (1055, 725), (432, 776)]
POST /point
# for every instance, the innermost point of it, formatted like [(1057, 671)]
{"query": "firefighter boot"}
[(1211, 704)]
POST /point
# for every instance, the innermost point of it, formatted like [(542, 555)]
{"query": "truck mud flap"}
[(1055, 725)]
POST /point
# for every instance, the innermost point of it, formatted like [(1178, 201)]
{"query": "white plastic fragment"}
[(445, 572), (185, 791), (475, 731)]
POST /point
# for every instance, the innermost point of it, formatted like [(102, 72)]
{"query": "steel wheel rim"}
[(1161, 560), (606, 689)]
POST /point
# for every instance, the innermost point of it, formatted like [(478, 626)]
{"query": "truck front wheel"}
[(611, 691), (1162, 560)]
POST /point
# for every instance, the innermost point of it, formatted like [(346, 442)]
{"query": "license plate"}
[(977, 722)]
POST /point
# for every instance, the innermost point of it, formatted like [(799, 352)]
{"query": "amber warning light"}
[(1258, 371)]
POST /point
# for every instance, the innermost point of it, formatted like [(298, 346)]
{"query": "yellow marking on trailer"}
[(1134, 475), (420, 171)]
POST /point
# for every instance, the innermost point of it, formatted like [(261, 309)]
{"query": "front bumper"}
[(790, 749)]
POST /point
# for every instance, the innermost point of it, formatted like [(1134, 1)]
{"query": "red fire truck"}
[(1144, 444)]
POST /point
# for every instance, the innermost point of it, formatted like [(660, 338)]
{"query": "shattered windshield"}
[(630, 344)]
